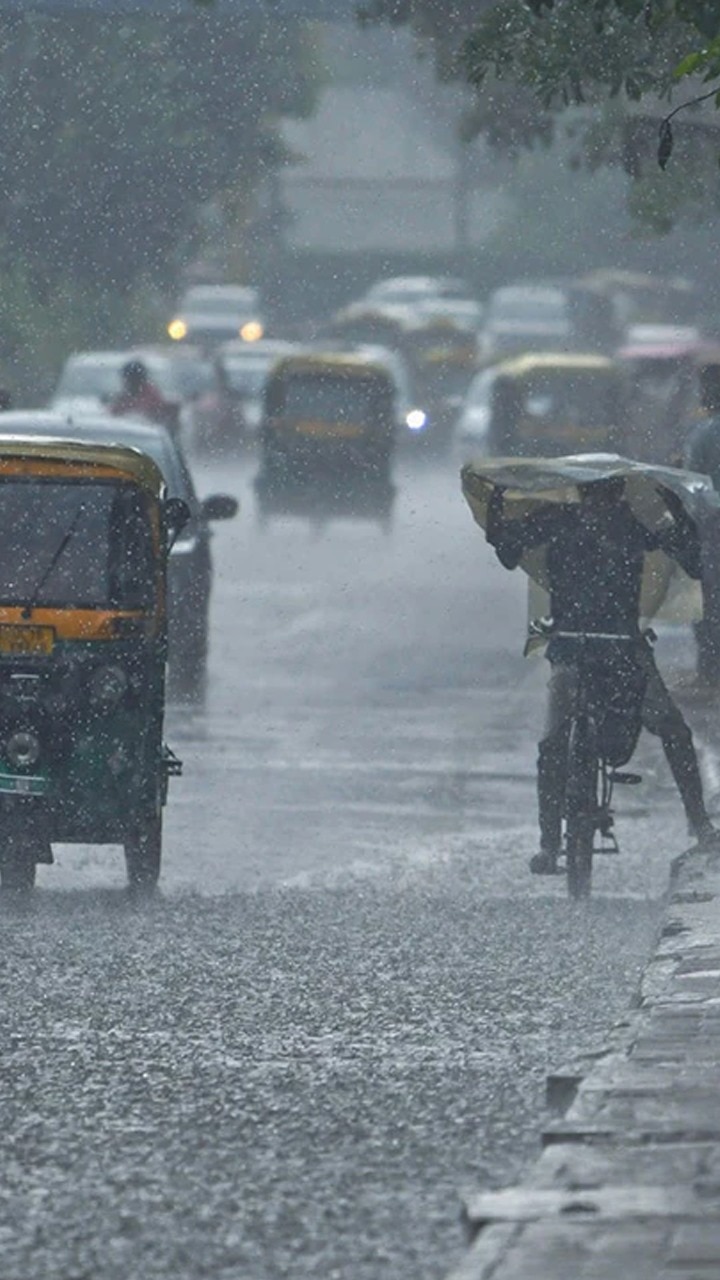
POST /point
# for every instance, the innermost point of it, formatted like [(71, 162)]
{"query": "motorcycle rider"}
[(594, 556), (140, 397)]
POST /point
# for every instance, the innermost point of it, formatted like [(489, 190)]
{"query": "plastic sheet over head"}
[(531, 483)]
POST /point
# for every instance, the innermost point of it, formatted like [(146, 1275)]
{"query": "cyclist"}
[(594, 555)]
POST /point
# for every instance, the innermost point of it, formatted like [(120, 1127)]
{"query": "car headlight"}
[(177, 330), (107, 687), (22, 749), (251, 331), (416, 419)]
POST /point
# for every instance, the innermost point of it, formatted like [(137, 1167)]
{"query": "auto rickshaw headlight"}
[(107, 687), (22, 749)]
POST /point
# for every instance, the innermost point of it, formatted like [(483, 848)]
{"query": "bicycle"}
[(603, 734)]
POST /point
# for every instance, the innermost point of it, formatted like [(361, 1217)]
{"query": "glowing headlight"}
[(416, 420), (22, 749), (252, 331), (107, 687), (177, 330)]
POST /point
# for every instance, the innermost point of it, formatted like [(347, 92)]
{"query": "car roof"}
[(46, 422), (150, 437)]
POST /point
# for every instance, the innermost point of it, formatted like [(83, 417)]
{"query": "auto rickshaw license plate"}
[(19, 639), (330, 430)]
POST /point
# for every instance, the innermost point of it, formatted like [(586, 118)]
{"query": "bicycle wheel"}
[(581, 807)]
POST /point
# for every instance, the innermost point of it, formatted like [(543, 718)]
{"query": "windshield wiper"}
[(58, 552)]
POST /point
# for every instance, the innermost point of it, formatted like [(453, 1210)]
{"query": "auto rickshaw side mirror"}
[(220, 506), (177, 515)]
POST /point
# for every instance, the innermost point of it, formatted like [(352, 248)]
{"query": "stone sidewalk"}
[(628, 1183)]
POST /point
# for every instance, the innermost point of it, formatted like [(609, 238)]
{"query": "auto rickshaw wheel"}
[(143, 850)]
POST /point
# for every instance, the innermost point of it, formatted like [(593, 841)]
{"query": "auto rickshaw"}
[(85, 531), (443, 358), (550, 404), (664, 383), (327, 439)]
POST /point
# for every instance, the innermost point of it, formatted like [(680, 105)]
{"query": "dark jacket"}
[(594, 561)]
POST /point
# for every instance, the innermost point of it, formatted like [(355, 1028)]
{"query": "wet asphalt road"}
[(341, 1009)]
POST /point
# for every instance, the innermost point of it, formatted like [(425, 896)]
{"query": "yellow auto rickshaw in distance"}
[(549, 404), (327, 439), (85, 531)]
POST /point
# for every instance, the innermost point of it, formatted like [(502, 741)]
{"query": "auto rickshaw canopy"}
[(342, 363), (48, 455)]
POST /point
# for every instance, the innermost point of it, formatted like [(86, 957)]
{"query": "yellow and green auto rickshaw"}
[(550, 404), (327, 439), (85, 531)]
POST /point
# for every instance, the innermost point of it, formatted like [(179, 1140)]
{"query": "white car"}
[(523, 318), (214, 313), (408, 291)]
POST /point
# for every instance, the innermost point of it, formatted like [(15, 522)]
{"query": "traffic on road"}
[(321, 990)]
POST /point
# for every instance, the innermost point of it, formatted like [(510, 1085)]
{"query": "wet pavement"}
[(339, 1014)]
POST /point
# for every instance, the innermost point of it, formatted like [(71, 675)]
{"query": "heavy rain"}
[(359, 373)]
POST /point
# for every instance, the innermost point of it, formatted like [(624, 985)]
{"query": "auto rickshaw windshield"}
[(75, 544), (331, 398), (586, 397)]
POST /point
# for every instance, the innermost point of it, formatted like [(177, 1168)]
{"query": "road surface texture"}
[(629, 1180), (339, 1014)]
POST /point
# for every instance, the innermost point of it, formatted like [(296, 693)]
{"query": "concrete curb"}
[(628, 1183)]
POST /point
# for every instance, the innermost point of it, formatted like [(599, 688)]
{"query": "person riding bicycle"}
[(595, 553)]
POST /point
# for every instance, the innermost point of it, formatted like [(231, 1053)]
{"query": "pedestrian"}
[(702, 453)]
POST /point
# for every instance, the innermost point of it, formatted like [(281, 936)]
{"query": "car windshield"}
[(247, 377), (102, 379), (219, 304), (529, 307), (330, 398), (98, 378), (98, 533)]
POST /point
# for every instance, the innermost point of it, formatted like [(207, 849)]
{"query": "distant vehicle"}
[(214, 313), (411, 416), (190, 565), (463, 313), (642, 299), (90, 380), (327, 440), (228, 414), (664, 393), (411, 290), (546, 317), (545, 404)]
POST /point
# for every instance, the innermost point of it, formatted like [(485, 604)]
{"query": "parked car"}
[(190, 565), (214, 313)]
